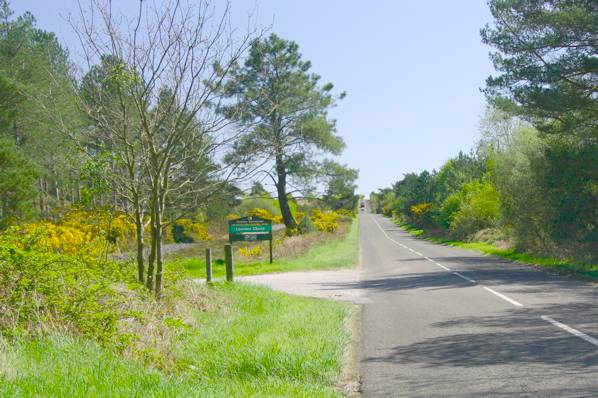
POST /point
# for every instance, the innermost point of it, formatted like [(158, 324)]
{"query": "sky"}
[(412, 70)]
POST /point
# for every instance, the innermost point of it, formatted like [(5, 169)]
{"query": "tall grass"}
[(259, 343)]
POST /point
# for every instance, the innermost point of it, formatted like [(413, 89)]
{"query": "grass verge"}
[(256, 343), (337, 253), (569, 267)]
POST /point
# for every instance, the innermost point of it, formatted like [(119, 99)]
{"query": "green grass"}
[(257, 343), (338, 253), (585, 270)]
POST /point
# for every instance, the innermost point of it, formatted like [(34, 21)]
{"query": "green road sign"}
[(249, 229)]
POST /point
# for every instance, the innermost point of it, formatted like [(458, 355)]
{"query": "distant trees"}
[(34, 79), (340, 185), (17, 183), (285, 110)]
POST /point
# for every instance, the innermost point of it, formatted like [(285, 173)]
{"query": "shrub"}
[(250, 204), (83, 233), (479, 209), (325, 221), (40, 289), (346, 213), (448, 209), (185, 230), (266, 215), (421, 213), (306, 225), (255, 251)]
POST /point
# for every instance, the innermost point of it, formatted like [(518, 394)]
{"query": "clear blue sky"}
[(412, 71)]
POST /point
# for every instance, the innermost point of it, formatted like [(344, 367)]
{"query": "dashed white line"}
[(502, 296), (442, 266), (464, 277), (569, 329)]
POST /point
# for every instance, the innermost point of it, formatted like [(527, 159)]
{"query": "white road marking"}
[(442, 266), (502, 296), (569, 329), (464, 277), (385, 234)]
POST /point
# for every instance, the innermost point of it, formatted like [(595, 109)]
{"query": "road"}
[(445, 322)]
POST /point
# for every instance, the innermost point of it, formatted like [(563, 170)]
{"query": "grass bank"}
[(569, 267), (255, 342), (334, 253)]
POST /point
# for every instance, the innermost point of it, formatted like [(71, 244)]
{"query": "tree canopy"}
[(285, 111)]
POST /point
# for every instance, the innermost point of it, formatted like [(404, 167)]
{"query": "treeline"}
[(531, 181), (160, 120)]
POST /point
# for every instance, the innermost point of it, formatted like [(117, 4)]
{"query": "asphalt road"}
[(445, 322)]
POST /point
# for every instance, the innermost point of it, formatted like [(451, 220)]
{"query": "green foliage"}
[(17, 179), (546, 56), (222, 202), (265, 202), (286, 110), (567, 175), (306, 225), (479, 208), (255, 342), (340, 186), (40, 290), (38, 106)]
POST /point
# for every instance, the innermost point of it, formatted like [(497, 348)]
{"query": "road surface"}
[(445, 322)]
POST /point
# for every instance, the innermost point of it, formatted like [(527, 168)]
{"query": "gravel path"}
[(341, 285)]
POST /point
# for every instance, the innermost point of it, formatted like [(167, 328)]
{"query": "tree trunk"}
[(283, 200), (149, 282), (158, 284), (139, 233)]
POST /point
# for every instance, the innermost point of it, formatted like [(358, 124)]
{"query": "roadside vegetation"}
[(567, 267), (234, 340), (313, 251), (528, 189)]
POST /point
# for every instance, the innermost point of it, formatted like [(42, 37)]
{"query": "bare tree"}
[(168, 65)]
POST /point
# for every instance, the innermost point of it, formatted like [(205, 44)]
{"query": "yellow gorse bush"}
[(420, 209), (255, 251), (197, 230), (325, 221), (232, 216), (346, 213), (80, 232), (266, 215)]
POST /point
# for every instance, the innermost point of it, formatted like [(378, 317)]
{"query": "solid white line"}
[(464, 277), (418, 253), (502, 296), (569, 329), (442, 266)]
